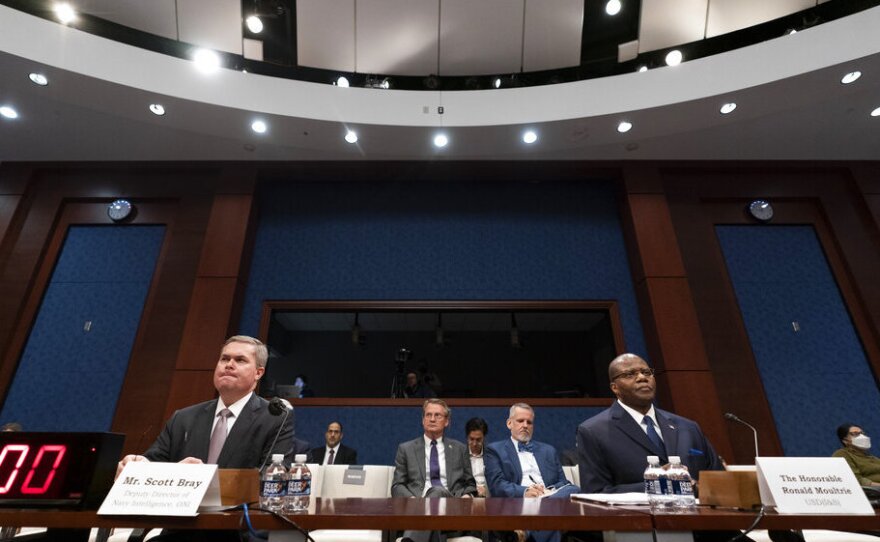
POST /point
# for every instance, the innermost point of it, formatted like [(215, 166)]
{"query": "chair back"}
[(572, 474), (377, 481)]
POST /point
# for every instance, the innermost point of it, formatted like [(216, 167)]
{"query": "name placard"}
[(810, 485), (162, 489)]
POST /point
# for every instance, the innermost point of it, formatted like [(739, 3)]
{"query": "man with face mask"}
[(856, 444)]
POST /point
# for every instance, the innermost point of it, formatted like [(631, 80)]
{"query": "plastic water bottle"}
[(299, 487), (653, 490), (273, 484), (682, 485)]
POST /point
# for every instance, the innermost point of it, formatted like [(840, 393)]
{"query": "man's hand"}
[(126, 460), (191, 461), (481, 491), (534, 491)]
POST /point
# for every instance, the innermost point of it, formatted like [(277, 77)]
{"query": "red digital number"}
[(60, 449), (9, 448)]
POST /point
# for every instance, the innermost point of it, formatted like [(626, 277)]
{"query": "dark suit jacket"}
[(409, 469), (612, 449), (344, 455), (188, 433), (504, 473)]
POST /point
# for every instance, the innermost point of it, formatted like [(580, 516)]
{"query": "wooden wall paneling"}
[(207, 323), (187, 388), (680, 341)]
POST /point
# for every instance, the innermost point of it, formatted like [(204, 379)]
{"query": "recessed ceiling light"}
[(643, 68), (8, 112), (259, 126), (497, 82), (624, 127), (351, 136), (613, 7), (385, 84), (440, 140), (342, 82), (254, 24), (206, 61), (851, 77), (530, 137), (876, 112), (673, 58), (727, 108), (38, 79), (791, 31), (64, 12), (157, 109)]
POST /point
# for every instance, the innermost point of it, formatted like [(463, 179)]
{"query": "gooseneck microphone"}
[(734, 418), (277, 407)]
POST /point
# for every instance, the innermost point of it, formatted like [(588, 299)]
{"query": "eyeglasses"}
[(633, 373)]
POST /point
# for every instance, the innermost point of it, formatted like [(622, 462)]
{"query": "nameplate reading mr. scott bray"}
[(810, 485), (161, 489)]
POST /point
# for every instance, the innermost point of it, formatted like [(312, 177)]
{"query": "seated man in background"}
[(235, 431), (432, 465), (476, 430), (522, 467), (333, 452), (856, 444)]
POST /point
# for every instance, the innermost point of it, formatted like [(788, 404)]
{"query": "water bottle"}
[(273, 484), (682, 486), (653, 490), (299, 487)]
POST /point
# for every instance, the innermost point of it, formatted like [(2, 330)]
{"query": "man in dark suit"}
[(432, 465), (235, 431), (523, 467), (334, 452)]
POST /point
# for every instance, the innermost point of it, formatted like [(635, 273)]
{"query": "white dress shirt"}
[(531, 473), (235, 408), (639, 418)]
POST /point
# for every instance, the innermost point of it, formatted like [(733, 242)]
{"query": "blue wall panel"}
[(69, 379), (815, 378)]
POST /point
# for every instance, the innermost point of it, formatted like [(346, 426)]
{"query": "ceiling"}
[(791, 104)]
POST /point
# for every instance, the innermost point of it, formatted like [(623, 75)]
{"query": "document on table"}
[(612, 498)]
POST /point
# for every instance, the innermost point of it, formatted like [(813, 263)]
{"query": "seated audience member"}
[(333, 452), (613, 445), (432, 465), (304, 389), (522, 467), (856, 444), (476, 430), (415, 388), (234, 431)]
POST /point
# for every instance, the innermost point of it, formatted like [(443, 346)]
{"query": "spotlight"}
[(851, 77), (874, 113), (8, 112), (341, 82), (643, 68), (790, 31), (674, 58), (497, 82), (259, 127), (440, 140), (206, 61), (157, 109), (613, 7), (624, 127), (529, 137), (65, 13), (386, 84), (351, 136), (727, 108), (38, 79), (254, 24)]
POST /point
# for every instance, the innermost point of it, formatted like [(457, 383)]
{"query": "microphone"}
[(277, 407), (734, 418)]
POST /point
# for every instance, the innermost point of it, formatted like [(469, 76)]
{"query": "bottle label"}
[(664, 486), (686, 487), (652, 487), (272, 488), (299, 488)]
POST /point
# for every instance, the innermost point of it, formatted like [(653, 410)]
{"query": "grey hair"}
[(523, 406), (261, 352)]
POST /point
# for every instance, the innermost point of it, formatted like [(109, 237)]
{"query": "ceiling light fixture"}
[(65, 13), (8, 112), (440, 140), (259, 127), (38, 79), (254, 24), (876, 112), (727, 108), (157, 109), (497, 82), (790, 31), (206, 61), (851, 77), (613, 7), (624, 127), (341, 82), (643, 68), (529, 137), (674, 57), (351, 136)]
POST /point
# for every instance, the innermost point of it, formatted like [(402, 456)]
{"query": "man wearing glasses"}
[(613, 445)]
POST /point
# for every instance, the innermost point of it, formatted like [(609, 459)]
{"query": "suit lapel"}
[(420, 457), (513, 460), (239, 429), (451, 464), (669, 430), (625, 423), (199, 438)]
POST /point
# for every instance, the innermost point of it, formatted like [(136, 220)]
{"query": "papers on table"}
[(612, 498)]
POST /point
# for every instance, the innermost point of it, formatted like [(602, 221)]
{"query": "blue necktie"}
[(435, 465), (525, 447), (654, 437)]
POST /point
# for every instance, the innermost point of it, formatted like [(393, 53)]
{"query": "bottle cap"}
[(674, 459), (653, 459), (277, 458), (300, 458)]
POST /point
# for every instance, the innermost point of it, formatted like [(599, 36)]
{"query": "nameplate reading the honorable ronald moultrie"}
[(810, 485), (162, 489)]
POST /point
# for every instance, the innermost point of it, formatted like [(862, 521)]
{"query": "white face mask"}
[(862, 442)]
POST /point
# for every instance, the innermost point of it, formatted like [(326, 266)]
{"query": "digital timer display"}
[(57, 469)]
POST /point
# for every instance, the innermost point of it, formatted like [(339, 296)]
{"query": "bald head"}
[(623, 360)]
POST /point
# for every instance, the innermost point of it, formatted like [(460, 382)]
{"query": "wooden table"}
[(708, 519)]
